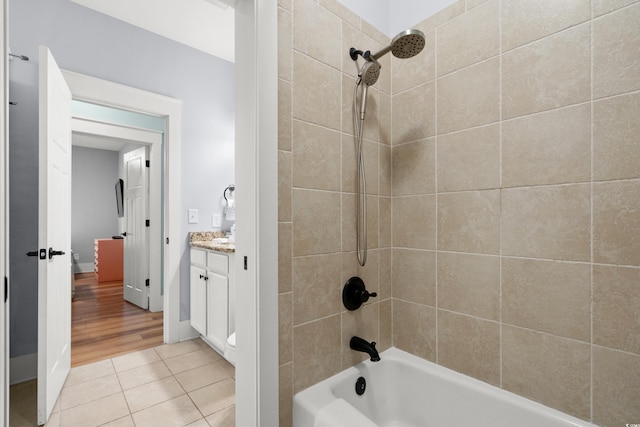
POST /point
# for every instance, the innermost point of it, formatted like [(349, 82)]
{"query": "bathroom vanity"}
[(212, 291)]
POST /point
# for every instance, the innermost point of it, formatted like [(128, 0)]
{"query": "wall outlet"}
[(76, 256), (193, 216), (216, 220)]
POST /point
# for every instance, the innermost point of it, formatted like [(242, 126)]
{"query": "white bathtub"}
[(403, 390)]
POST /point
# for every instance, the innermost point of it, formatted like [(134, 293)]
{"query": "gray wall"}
[(88, 42), (93, 202)]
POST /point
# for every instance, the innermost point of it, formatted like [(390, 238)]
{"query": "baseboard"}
[(186, 331), (23, 368), (83, 267)]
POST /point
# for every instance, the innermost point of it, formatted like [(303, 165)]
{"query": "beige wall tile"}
[(616, 298), (551, 370), (284, 115), (469, 38), (469, 345), (384, 222), (414, 276), (284, 185), (420, 337), (316, 157), (317, 287), (384, 287), (285, 235), (370, 151), (616, 138), (439, 18), (525, 21), (286, 395), (470, 4), (362, 323), (469, 221), (384, 170), (616, 223), (374, 33), (553, 147), (616, 394), (369, 273), (385, 325), (547, 296), (316, 222), (616, 52), (413, 168), (411, 72), (286, 4), (551, 73), (341, 11), (413, 114), (469, 160), (469, 97), (384, 118), (348, 222), (285, 43), (600, 7), (314, 32), (285, 328), (547, 222), (414, 222), (315, 86), (317, 351), (469, 284)]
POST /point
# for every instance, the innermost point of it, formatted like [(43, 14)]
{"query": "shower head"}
[(407, 44), (369, 73)]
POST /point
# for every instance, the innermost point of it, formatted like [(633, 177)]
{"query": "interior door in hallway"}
[(54, 234), (136, 241)]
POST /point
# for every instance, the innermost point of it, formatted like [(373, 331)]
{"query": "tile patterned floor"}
[(172, 385)]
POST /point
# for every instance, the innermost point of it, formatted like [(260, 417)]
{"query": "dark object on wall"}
[(119, 198), (354, 293)]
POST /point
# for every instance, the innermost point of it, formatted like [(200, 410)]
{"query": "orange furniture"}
[(108, 259)]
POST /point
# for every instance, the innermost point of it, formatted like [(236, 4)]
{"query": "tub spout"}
[(358, 344)]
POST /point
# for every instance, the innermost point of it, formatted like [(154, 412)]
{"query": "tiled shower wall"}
[(504, 198)]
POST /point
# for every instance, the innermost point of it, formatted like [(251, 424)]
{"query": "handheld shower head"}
[(407, 44), (368, 75)]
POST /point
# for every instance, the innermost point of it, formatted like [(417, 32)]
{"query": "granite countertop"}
[(205, 240)]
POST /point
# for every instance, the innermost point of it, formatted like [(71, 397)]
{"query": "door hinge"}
[(146, 283), (147, 163), (6, 288), (147, 222), (245, 263)]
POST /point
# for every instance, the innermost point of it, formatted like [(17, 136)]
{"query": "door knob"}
[(41, 253), (52, 253)]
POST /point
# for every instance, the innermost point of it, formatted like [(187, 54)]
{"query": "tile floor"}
[(172, 385)]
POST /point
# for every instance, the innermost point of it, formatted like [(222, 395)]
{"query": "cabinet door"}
[(198, 299), (217, 313)]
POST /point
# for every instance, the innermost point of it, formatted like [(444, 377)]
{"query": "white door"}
[(136, 238), (54, 235)]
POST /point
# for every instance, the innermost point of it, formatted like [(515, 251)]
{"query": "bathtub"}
[(403, 390)]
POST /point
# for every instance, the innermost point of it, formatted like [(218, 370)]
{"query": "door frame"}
[(4, 217), (103, 92), (153, 140), (256, 164)]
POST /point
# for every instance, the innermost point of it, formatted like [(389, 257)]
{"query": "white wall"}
[(93, 202), (394, 16)]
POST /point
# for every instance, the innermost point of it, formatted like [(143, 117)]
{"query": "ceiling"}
[(206, 25)]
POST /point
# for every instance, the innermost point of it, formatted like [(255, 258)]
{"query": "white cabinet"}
[(211, 300)]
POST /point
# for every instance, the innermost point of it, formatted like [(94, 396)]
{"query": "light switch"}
[(193, 216), (216, 220)]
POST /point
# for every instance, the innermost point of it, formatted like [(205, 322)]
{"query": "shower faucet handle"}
[(354, 293)]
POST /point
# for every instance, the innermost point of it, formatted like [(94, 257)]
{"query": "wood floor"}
[(104, 325)]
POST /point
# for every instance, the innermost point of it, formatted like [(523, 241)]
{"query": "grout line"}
[(591, 229), (500, 135)]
